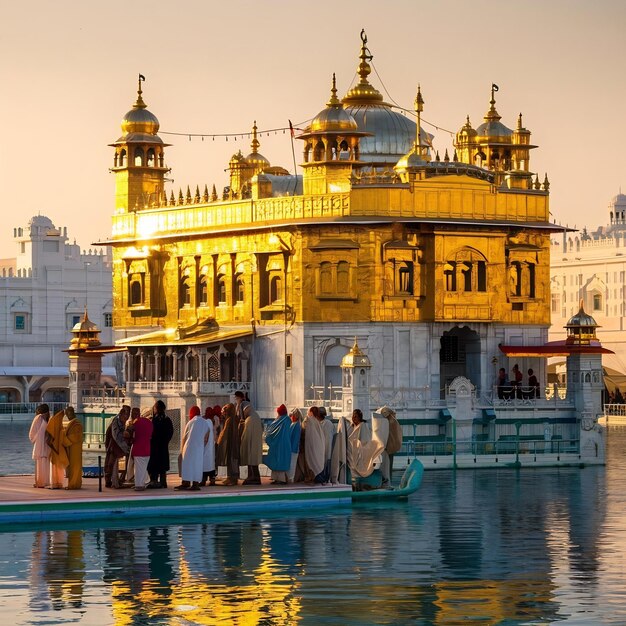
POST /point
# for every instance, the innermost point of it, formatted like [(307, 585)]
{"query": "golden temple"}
[(429, 262)]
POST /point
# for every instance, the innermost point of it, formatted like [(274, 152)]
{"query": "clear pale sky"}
[(68, 71)]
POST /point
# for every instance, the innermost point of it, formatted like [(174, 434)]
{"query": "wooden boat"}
[(411, 480)]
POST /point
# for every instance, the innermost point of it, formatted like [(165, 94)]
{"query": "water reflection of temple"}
[(471, 545)]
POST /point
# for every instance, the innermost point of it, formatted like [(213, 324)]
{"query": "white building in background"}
[(591, 266), (44, 290)]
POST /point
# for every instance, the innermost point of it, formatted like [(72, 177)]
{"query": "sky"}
[(68, 74)]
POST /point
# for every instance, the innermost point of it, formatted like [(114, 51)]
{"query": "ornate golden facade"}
[(377, 231)]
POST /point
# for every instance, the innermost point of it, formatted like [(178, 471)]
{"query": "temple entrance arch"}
[(332, 365), (459, 356)]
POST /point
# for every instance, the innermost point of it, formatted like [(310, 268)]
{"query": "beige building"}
[(591, 266)]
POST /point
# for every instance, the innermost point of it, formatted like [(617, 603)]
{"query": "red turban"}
[(281, 410), (208, 413), (217, 410), (194, 411)]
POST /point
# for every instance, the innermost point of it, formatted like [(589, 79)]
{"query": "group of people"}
[(57, 448), (137, 448), (514, 388), (307, 449)]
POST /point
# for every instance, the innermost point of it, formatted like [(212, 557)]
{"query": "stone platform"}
[(20, 502)]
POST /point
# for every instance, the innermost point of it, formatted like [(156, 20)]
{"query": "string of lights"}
[(409, 111), (296, 127), (234, 136)]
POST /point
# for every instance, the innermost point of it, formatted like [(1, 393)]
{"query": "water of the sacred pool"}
[(504, 546)]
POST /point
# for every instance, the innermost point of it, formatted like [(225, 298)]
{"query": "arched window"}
[(213, 364), (276, 289), (136, 289), (150, 160), (184, 292), (449, 272), (221, 289), (326, 278), (466, 270), (239, 289), (318, 153), (343, 277), (122, 158), (138, 157)]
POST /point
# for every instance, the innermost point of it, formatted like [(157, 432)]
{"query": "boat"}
[(410, 483)]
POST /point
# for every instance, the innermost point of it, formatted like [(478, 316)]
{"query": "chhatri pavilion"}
[(434, 265)]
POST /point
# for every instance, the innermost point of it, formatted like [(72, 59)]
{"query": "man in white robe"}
[(208, 463), (364, 450), (195, 438), (41, 449)]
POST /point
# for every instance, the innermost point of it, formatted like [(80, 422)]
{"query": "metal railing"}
[(26, 408), (504, 445)]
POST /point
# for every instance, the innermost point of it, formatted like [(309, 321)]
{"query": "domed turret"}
[(492, 129), (86, 334), (581, 328), (139, 161), (139, 120), (333, 119)]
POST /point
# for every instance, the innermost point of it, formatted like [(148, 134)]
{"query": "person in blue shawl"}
[(278, 440), (294, 434)]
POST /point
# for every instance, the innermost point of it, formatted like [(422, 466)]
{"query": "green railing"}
[(440, 445)]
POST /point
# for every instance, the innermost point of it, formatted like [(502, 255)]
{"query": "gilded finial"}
[(492, 114), (419, 101), (255, 144), (181, 199), (213, 194), (519, 122), (172, 199), (140, 104), (446, 157), (437, 155), (188, 197), (196, 198), (363, 91), (419, 107), (334, 100), (455, 156), (205, 195), (546, 183)]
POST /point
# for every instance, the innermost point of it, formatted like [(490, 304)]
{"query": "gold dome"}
[(139, 119), (389, 134), (355, 358), (86, 334), (334, 118), (492, 129)]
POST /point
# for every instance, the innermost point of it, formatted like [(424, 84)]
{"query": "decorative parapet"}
[(478, 201)]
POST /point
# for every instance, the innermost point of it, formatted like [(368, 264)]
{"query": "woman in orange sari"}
[(58, 453), (73, 442)]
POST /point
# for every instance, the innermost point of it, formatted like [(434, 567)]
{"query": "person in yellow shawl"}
[(58, 453), (73, 442)]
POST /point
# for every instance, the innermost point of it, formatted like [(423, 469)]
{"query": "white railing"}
[(220, 388), (210, 388), (615, 410)]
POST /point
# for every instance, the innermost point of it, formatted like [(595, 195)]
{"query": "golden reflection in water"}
[(253, 591), (492, 601)]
